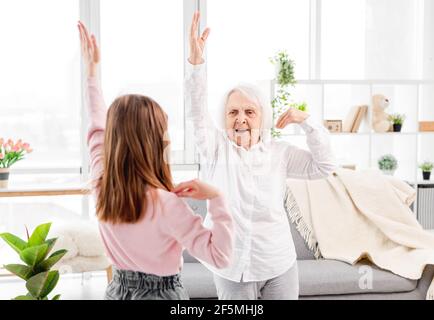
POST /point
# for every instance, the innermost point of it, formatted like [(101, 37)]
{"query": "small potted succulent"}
[(426, 168), (397, 121), (388, 164), (10, 152)]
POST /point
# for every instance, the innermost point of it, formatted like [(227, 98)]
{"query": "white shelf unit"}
[(332, 100)]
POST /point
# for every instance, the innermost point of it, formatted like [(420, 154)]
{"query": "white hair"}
[(253, 93)]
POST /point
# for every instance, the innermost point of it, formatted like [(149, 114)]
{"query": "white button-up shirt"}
[(253, 182)]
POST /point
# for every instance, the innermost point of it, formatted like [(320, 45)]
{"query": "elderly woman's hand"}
[(197, 45), (291, 116)]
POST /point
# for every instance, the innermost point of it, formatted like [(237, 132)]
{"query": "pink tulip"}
[(16, 148), (10, 143), (19, 143), (2, 156), (26, 147)]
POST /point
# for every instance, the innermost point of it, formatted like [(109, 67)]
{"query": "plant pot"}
[(4, 177), (388, 172), (397, 127), (426, 175)]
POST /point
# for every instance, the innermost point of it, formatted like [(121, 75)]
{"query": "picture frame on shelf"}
[(333, 126)]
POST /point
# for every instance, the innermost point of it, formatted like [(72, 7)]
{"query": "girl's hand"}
[(197, 45), (196, 189), (89, 50), (291, 116)]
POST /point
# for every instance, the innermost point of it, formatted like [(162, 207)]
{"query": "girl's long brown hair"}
[(134, 159)]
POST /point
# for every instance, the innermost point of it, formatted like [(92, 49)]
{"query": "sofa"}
[(319, 278)]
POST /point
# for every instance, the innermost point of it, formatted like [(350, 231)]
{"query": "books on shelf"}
[(354, 118)]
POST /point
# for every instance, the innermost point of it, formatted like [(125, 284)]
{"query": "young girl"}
[(144, 226)]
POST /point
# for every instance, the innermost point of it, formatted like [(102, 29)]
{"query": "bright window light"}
[(142, 52), (40, 80)]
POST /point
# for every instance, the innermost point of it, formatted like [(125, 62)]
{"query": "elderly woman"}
[(251, 169)]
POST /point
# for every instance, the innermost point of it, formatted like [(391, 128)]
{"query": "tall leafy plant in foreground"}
[(40, 280)]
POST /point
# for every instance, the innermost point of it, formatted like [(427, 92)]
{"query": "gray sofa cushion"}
[(198, 281), (332, 277), (199, 207), (303, 252), (318, 278), (188, 258)]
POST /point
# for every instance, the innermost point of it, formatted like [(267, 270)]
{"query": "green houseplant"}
[(40, 280), (285, 79), (426, 168), (388, 164), (397, 120)]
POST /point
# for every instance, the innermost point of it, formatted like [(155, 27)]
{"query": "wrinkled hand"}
[(197, 45), (196, 189), (291, 116), (89, 50)]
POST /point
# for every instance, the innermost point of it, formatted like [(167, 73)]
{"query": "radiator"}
[(425, 205)]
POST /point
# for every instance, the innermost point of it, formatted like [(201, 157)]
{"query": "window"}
[(40, 83), (376, 39), (245, 34), (142, 52), (343, 44)]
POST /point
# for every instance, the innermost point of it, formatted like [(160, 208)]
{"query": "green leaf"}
[(56, 297), (50, 243), (34, 255), (14, 242), (42, 284), (26, 297), (39, 234), (22, 271), (52, 260), (50, 284)]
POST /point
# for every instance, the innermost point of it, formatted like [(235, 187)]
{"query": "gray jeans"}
[(283, 287), (133, 285)]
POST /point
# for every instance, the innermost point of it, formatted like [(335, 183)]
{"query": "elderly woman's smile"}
[(243, 119)]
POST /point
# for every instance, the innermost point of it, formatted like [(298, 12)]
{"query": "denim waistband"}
[(136, 279)]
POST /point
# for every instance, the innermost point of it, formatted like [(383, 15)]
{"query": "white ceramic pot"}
[(388, 172)]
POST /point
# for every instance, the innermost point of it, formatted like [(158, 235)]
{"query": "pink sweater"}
[(155, 243)]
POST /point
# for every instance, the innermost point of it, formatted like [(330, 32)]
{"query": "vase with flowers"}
[(10, 153)]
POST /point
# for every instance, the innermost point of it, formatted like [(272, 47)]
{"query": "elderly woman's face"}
[(243, 120)]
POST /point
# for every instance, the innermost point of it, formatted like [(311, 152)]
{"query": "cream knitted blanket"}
[(362, 214)]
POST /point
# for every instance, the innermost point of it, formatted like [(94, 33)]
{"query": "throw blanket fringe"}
[(295, 216)]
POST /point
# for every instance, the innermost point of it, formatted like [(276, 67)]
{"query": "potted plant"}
[(284, 69), (40, 280), (426, 168), (300, 106), (284, 79), (397, 121), (10, 153), (388, 164)]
